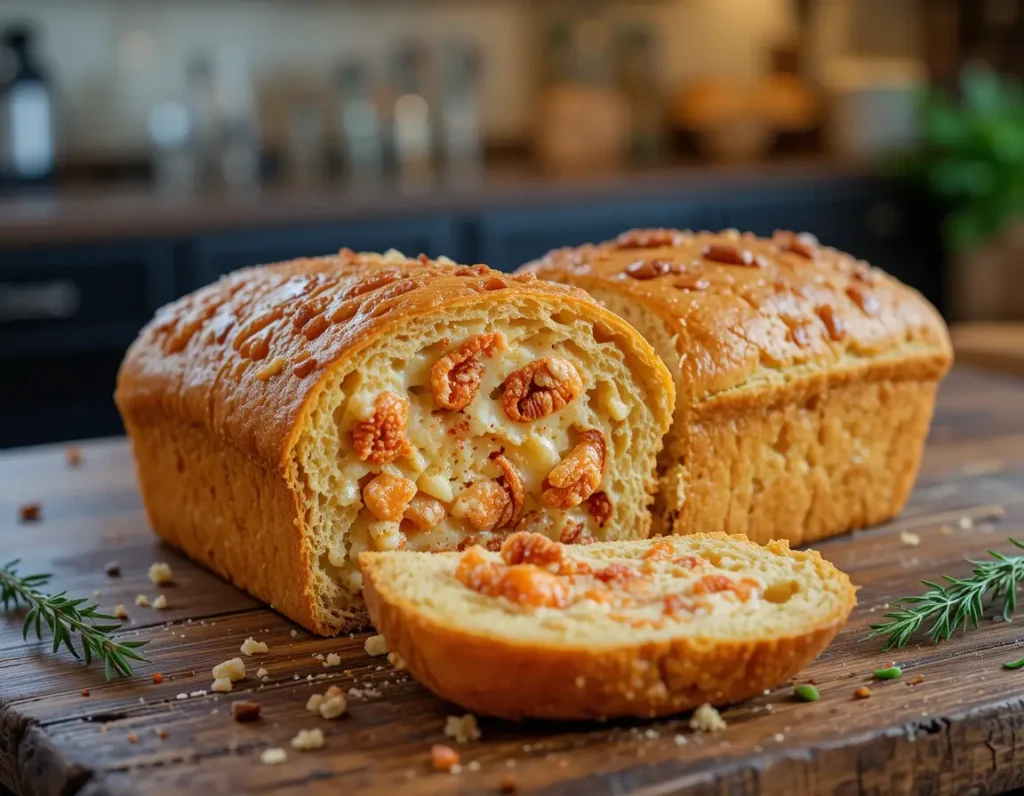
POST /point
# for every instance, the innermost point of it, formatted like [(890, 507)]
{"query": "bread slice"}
[(806, 378), (290, 416), (636, 628)]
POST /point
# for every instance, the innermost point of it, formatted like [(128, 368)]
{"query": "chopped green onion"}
[(806, 693), (1014, 664), (892, 673)]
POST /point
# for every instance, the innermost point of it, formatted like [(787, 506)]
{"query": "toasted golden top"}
[(742, 306), (244, 356)]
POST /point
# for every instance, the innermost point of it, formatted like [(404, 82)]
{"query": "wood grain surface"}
[(960, 730)]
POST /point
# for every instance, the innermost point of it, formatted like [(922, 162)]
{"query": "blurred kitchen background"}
[(149, 146)]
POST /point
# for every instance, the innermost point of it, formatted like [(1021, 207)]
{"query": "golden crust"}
[(783, 310), (497, 675), (222, 378)]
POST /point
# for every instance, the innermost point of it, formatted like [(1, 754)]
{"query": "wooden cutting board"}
[(960, 730)]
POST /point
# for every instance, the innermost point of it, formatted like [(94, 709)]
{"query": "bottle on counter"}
[(461, 68), (359, 122), (28, 146), (412, 130)]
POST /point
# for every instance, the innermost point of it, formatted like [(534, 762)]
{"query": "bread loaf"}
[(805, 378), (291, 416), (640, 628)]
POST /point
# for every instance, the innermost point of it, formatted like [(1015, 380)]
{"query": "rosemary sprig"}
[(65, 617), (956, 602)]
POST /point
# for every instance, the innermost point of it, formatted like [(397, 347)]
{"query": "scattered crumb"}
[(779, 737), (917, 679), (233, 669), (120, 612), (308, 739), (181, 696), (945, 530), (160, 573), (158, 678), (361, 693), (85, 692), (376, 645), (910, 539), (680, 740), (318, 656), (97, 593), (29, 512), (160, 603), (293, 633), (966, 523), (142, 601), (397, 662), (245, 711), (444, 758), (333, 659), (221, 685), (314, 702), (112, 569), (508, 784), (462, 728), (473, 765), (73, 456), (133, 738), (271, 757), (707, 719), (199, 693), (862, 693), (261, 673), (251, 647), (333, 706)]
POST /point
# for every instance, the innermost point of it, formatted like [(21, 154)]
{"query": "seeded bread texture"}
[(290, 416), (805, 378), (591, 659)]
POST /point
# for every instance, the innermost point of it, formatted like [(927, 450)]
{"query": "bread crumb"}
[(862, 693), (779, 737), (245, 711), (376, 645), (917, 679), (966, 523), (293, 633), (462, 728), (142, 601), (199, 693), (333, 705), (221, 685), (29, 512), (443, 758), (397, 661), (910, 539), (251, 646), (271, 757), (314, 702), (707, 719), (233, 669), (160, 603), (680, 740), (120, 612), (261, 673), (307, 740), (181, 696), (333, 659), (945, 530), (473, 765), (160, 573)]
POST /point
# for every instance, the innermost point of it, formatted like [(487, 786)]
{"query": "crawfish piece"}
[(381, 439), (455, 377), (540, 388), (424, 512), (578, 475), (387, 496)]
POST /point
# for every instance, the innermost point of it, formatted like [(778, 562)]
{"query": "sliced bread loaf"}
[(634, 628)]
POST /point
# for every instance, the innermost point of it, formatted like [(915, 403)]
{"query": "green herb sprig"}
[(955, 603), (65, 618)]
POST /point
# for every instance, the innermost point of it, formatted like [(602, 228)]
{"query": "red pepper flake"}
[(862, 693), (133, 738), (85, 692), (917, 679), (443, 757), (73, 456), (161, 734), (29, 512), (158, 678)]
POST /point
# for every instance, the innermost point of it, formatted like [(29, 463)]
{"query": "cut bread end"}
[(636, 628)]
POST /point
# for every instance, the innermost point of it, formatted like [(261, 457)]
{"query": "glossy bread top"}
[(742, 307), (244, 357)]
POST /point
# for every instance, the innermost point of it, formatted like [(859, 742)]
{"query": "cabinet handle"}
[(39, 301)]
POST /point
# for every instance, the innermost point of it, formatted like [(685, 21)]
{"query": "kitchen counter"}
[(87, 215), (953, 724)]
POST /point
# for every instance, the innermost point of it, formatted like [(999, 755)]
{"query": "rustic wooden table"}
[(961, 730)]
